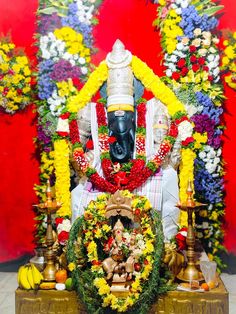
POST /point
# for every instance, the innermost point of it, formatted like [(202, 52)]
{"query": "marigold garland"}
[(62, 171), (95, 81), (153, 83), (92, 230)]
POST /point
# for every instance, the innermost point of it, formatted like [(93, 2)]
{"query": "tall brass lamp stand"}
[(190, 272), (49, 207)]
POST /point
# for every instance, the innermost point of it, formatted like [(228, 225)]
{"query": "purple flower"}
[(64, 70), (48, 23)]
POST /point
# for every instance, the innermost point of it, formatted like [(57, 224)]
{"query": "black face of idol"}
[(121, 125)]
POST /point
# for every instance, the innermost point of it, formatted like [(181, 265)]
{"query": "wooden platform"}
[(174, 302)]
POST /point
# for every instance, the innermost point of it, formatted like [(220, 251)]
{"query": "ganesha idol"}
[(123, 115)]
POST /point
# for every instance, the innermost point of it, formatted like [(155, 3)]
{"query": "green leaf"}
[(48, 11), (211, 11)]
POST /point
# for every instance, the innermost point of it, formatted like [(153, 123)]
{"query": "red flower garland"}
[(117, 178)]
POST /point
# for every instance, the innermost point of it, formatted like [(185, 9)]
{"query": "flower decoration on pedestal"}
[(229, 60), (15, 78), (192, 58), (90, 251)]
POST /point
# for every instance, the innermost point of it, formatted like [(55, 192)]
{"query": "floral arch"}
[(191, 57)]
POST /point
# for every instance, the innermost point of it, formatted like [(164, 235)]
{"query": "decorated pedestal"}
[(173, 302)]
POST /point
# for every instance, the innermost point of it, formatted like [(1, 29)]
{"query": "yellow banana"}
[(30, 277), (37, 276), (24, 278), (19, 275)]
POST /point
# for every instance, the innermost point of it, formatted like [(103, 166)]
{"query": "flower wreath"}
[(91, 235), (15, 78)]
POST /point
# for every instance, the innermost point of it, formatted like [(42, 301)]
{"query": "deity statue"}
[(121, 94)]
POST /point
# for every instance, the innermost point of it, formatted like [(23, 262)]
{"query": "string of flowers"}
[(15, 78), (229, 59), (192, 69)]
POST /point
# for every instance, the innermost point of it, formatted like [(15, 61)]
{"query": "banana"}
[(37, 276), (19, 275), (30, 277), (24, 278)]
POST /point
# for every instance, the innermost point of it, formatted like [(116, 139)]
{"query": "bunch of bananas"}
[(29, 277)]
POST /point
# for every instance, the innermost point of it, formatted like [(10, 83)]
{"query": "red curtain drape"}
[(131, 22)]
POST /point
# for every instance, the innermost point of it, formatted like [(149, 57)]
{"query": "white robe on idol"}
[(161, 189)]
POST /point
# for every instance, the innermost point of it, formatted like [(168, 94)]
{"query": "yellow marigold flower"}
[(104, 289), (16, 68), (62, 170), (225, 42), (26, 90), (225, 61), (229, 51), (5, 47), (136, 285), (107, 300), (106, 228), (98, 233), (214, 215), (95, 81), (147, 205), (71, 266), (199, 139)]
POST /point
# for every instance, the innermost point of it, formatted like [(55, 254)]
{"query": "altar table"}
[(215, 301)]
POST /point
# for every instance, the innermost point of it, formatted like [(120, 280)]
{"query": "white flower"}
[(210, 167), (64, 226), (168, 72), (216, 40), (173, 58), (180, 46), (172, 67), (211, 57), (206, 42), (202, 155), (212, 50), (197, 31), (219, 151), (62, 125), (206, 35), (82, 60), (185, 41), (178, 11), (196, 42), (185, 129), (191, 110), (216, 71), (84, 70), (202, 52)]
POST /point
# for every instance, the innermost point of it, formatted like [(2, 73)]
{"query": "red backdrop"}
[(130, 21)]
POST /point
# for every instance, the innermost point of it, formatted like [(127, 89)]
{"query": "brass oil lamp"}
[(49, 207), (190, 272)]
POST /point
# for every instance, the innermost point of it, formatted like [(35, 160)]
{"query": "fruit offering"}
[(29, 277)]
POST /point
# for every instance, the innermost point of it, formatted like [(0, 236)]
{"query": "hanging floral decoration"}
[(64, 57), (15, 78), (229, 59), (192, 57), (85, 256)]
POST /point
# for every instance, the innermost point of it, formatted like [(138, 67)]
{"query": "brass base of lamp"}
[(190, 273)]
